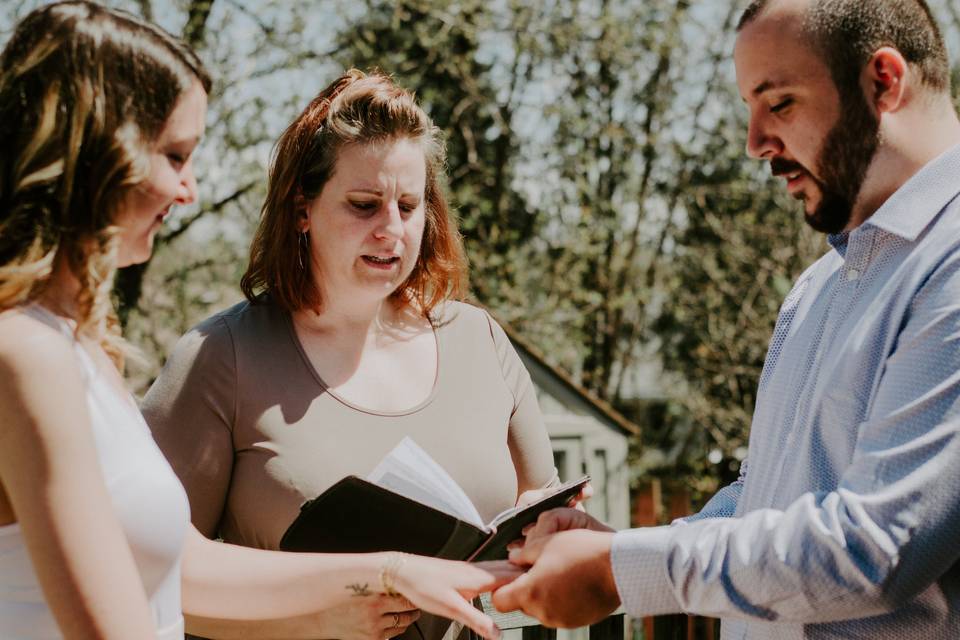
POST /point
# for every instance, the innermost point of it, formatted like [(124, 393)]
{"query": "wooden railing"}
[(680, 627), (610, 628), (654, 503), (614, 627)]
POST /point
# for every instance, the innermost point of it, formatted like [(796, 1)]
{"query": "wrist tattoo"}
[(360, 589)]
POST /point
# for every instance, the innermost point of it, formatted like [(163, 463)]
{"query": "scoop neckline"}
[(288, 320)]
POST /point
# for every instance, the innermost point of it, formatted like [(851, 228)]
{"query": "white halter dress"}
[(147, 497)]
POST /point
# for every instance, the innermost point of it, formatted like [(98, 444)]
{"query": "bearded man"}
[(847, 522)]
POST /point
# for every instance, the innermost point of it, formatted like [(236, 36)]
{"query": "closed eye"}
[(780, 106), (366, 207)]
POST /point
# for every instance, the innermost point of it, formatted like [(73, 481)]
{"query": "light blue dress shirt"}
[(847, 522)]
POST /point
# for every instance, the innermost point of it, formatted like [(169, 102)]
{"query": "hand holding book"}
[(535, 495), (410, 503)]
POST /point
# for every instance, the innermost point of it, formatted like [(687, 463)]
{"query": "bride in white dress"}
[(99, 115)]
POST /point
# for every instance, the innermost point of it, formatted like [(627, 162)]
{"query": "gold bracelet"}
[(389, 570)]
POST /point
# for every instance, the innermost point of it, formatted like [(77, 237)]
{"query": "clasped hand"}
[(560, 574), (569, 580)]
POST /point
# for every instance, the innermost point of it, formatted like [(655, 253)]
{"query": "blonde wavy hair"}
[(356, 108), (84, 93)]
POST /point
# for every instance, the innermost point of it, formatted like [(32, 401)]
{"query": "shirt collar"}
[(917, 202), (839, 242)]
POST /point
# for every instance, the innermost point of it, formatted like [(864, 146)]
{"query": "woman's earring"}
[(301, 248)]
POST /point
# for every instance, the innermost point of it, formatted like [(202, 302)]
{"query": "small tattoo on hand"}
[(360, 589)]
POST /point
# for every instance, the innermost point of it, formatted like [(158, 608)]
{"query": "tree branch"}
[(194, 32), (213, 208)]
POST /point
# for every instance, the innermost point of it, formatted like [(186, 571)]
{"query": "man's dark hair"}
[(848, 32)]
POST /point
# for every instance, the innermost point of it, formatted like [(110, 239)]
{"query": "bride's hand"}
[(446, 588)]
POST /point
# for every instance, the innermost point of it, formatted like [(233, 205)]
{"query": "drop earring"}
[(301, 248)]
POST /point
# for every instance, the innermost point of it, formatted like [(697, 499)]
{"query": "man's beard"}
[(845, 156)]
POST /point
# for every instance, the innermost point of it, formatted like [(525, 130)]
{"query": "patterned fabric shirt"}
[(847, 522)]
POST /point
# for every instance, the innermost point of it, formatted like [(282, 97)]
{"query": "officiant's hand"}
[(556, 520), (534, 495), (373, 618), (447, 588), (387, 617)]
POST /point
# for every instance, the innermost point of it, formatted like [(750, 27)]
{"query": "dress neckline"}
[(298, 345)]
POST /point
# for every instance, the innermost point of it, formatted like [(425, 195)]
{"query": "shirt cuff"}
[(638, 558)]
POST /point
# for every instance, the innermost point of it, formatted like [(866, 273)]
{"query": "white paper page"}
[(414, 465), (410, 471)]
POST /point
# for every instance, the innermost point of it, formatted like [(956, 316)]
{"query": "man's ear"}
[(885, 80)]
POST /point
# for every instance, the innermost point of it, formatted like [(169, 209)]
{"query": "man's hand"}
[(570, 582)]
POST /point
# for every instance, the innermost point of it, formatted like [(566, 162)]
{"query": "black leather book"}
[(356, 516)]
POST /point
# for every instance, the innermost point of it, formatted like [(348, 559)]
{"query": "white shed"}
[(588, 435)]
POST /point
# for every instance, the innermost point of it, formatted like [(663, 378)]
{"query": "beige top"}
[(253, 432)]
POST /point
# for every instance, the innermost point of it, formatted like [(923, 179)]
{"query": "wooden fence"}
[(652, 505), (617, 627)]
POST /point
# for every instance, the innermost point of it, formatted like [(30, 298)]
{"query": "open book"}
[(410, 503)]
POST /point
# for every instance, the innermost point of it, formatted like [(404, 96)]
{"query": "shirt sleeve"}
[(724, 503), (190, 409), (527, 437), (886, 533)]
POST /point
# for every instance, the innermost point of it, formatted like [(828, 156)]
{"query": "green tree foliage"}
[(595, 160), (740, 249), (609, 210), (615, 64)]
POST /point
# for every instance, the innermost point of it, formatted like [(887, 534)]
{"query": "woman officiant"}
[(351, 338)]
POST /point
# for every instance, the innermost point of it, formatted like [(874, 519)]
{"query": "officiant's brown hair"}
[(356, 108)]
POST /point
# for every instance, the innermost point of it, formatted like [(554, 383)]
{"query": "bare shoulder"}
[(28, 345), (42, 398), (36, 361)]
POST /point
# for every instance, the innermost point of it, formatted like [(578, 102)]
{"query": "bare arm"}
[(50, 473), (527, 436), (227, 581)]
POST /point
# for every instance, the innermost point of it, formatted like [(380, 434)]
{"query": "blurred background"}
[(611, 217)]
